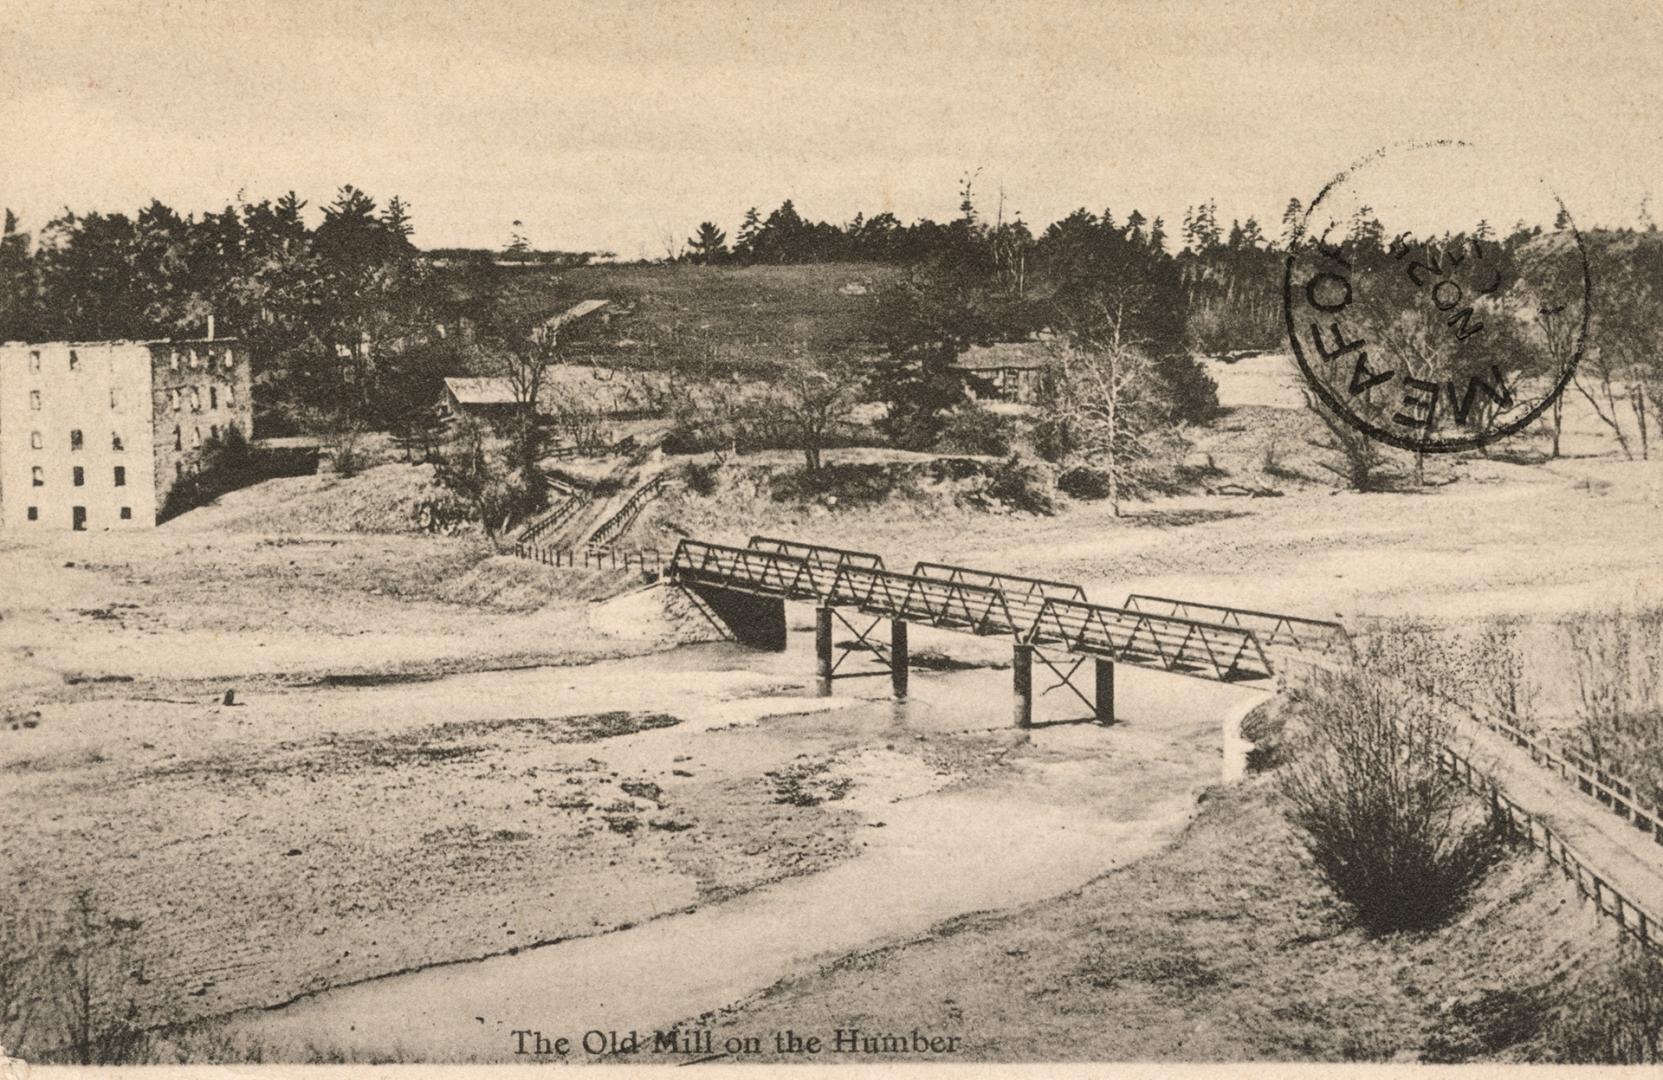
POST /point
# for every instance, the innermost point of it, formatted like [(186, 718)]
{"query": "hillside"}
[(676, 314)]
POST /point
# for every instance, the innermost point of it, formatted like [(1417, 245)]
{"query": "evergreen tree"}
[(709, 245), (396, 217), (1291, 222)]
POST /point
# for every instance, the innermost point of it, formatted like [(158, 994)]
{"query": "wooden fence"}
[(1632, 919), (560, 514), (643, 559), (1589, 776), (626, 514)]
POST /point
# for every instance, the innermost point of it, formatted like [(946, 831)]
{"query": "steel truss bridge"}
[(744, 591)]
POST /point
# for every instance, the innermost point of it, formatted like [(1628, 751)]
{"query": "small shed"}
[(1017, 371), (489, 398)]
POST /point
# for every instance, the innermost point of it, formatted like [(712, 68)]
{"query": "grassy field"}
[(680, 314)]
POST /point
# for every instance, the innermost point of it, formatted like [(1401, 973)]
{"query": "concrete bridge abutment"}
[(756, 621)]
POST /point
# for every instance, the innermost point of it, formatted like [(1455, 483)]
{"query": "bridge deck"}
[(1176, 644)]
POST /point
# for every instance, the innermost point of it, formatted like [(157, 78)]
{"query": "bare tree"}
[(1629, 355), (811, 399), (525, 365), (1362, 457), (1104, 391)]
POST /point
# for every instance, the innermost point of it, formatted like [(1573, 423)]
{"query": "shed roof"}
[(485, 390), (574, 313), (1005, 355)]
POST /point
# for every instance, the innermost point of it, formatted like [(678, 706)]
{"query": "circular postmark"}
[(1417, 321)]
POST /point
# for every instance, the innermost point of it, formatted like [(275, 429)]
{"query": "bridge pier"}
[(898, 657), (1105, 691), (1022, 678), (823, 645)]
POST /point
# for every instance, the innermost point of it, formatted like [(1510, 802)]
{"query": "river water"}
[(1074, 801)]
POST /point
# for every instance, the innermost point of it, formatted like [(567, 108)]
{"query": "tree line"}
[(333, 314)]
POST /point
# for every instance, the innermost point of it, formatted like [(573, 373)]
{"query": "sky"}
[(621, 126)]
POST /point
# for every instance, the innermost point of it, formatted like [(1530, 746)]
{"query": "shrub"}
[(1022, 485), (1362, 460), (227, 462), (1395, 838), (1617, 660), (1084, 482), (700, 478), (972, 429), (1052, 440), (1616, 1016), (65, 985), (1191, 394)]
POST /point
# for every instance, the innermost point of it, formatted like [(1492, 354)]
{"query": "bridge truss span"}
[(1178, 645), (1273, 630)]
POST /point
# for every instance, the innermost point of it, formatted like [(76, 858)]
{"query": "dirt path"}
[(1627, 858)]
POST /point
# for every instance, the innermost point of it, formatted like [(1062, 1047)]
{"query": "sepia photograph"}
[(901, 535)]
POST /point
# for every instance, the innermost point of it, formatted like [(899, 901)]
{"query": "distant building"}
[(94, 435), (1016, 371), (489, 398)]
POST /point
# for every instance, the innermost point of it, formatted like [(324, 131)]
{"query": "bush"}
[(1022, 485), (1051, 440), (1084, 482), (66, 985), (1191, 394), (972, 429), (700, 478), (1616, 1017), (1395, 838), (1617, 661), (227, 462)]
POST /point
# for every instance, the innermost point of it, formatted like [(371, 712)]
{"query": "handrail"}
[(817, 552), (625, 515), (1043, 586), (1591, 777), (556, 516), (1573, 863)]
